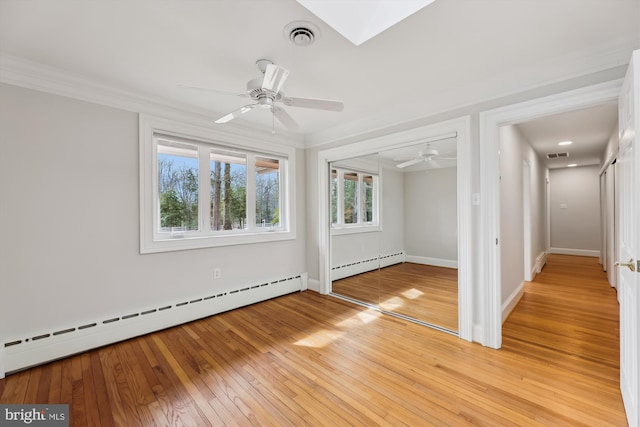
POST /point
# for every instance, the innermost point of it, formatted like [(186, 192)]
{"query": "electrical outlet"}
[(217, 273)]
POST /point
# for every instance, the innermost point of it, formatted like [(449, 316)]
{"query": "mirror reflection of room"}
[(394, 239)]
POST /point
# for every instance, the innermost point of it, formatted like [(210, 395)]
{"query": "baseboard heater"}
[(362, 266), (47, 345)]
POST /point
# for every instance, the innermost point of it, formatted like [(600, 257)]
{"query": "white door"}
[(629, 240)]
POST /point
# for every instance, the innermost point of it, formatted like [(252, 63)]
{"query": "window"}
[(198, 192), (354, 200)]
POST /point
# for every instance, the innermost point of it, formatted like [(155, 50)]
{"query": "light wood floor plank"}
[(309, 359)]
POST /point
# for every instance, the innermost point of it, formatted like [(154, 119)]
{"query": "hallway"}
[(568, 321)]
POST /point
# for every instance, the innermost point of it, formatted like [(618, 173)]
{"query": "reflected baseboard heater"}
[(362, 266), (48, 345)]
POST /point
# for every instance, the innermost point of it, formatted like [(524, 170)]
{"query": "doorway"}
[(491, 315)]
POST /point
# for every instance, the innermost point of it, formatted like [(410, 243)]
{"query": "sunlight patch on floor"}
[(412, 293), (362, 317), (320, 338), (392, 303)]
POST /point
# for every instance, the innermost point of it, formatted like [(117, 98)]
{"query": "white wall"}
[(69, 252), (537, 202), (430, 215), (511, 211), (518, 158), (575, 210)]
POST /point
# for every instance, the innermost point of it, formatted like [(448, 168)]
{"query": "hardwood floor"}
[(423, 292), (308, 359)]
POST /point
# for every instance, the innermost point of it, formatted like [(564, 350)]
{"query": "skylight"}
[(359, 20)]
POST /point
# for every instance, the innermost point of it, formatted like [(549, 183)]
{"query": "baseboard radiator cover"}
[(362, 266), (541, 261), (47, 345)]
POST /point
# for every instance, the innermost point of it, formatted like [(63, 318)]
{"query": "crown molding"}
[(21, 72), (532, 77)]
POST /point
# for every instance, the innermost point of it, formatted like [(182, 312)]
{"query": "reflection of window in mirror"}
[(350, 197), (367, 190), (354, 198)]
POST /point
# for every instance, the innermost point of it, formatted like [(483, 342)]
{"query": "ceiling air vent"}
[(301, 33), (557, 155)]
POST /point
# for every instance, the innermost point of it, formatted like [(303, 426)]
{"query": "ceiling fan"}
[(267, 92), (426, 156)]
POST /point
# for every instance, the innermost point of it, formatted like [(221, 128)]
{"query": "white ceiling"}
[(448, 54), (588, 129)]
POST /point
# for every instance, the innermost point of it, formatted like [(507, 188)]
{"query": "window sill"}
[(185, 243)]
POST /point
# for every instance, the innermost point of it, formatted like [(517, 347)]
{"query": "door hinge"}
[(496, 240)]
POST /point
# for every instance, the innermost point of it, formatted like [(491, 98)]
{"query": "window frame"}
[(340, 227), (206, 139)]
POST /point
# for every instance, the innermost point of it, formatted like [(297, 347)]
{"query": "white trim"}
[(21, 72), (459, 127), (449, 263), (512, 301), (489, 141), (149, 243), (313, 285), (577, 252)]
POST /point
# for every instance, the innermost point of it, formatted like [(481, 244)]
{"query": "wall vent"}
[(557, 155), (24, 352)]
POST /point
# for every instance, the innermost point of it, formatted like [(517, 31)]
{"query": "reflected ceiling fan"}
[(427, 156), (267, 92)]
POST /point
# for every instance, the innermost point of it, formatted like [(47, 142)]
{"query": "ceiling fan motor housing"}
[(256, 92)]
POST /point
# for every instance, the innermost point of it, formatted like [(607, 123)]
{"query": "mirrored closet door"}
[(401, 254)]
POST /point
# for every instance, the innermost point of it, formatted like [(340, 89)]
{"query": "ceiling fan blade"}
[(284, 118), (410, 162), (318, 104), (274, 78), (433, 163), (207, 89), (237, 113)]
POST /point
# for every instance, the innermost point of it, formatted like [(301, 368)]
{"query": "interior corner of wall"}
[(313, 285)]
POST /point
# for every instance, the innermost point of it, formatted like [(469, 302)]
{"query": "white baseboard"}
[(512, 301), (314, 285), (450, 263), (46, 345), (578, 252)]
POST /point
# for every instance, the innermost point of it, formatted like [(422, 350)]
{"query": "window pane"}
[(228, 190), (367, 183), (178, 186), (267, 192), (334, 197), (350, 198)]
